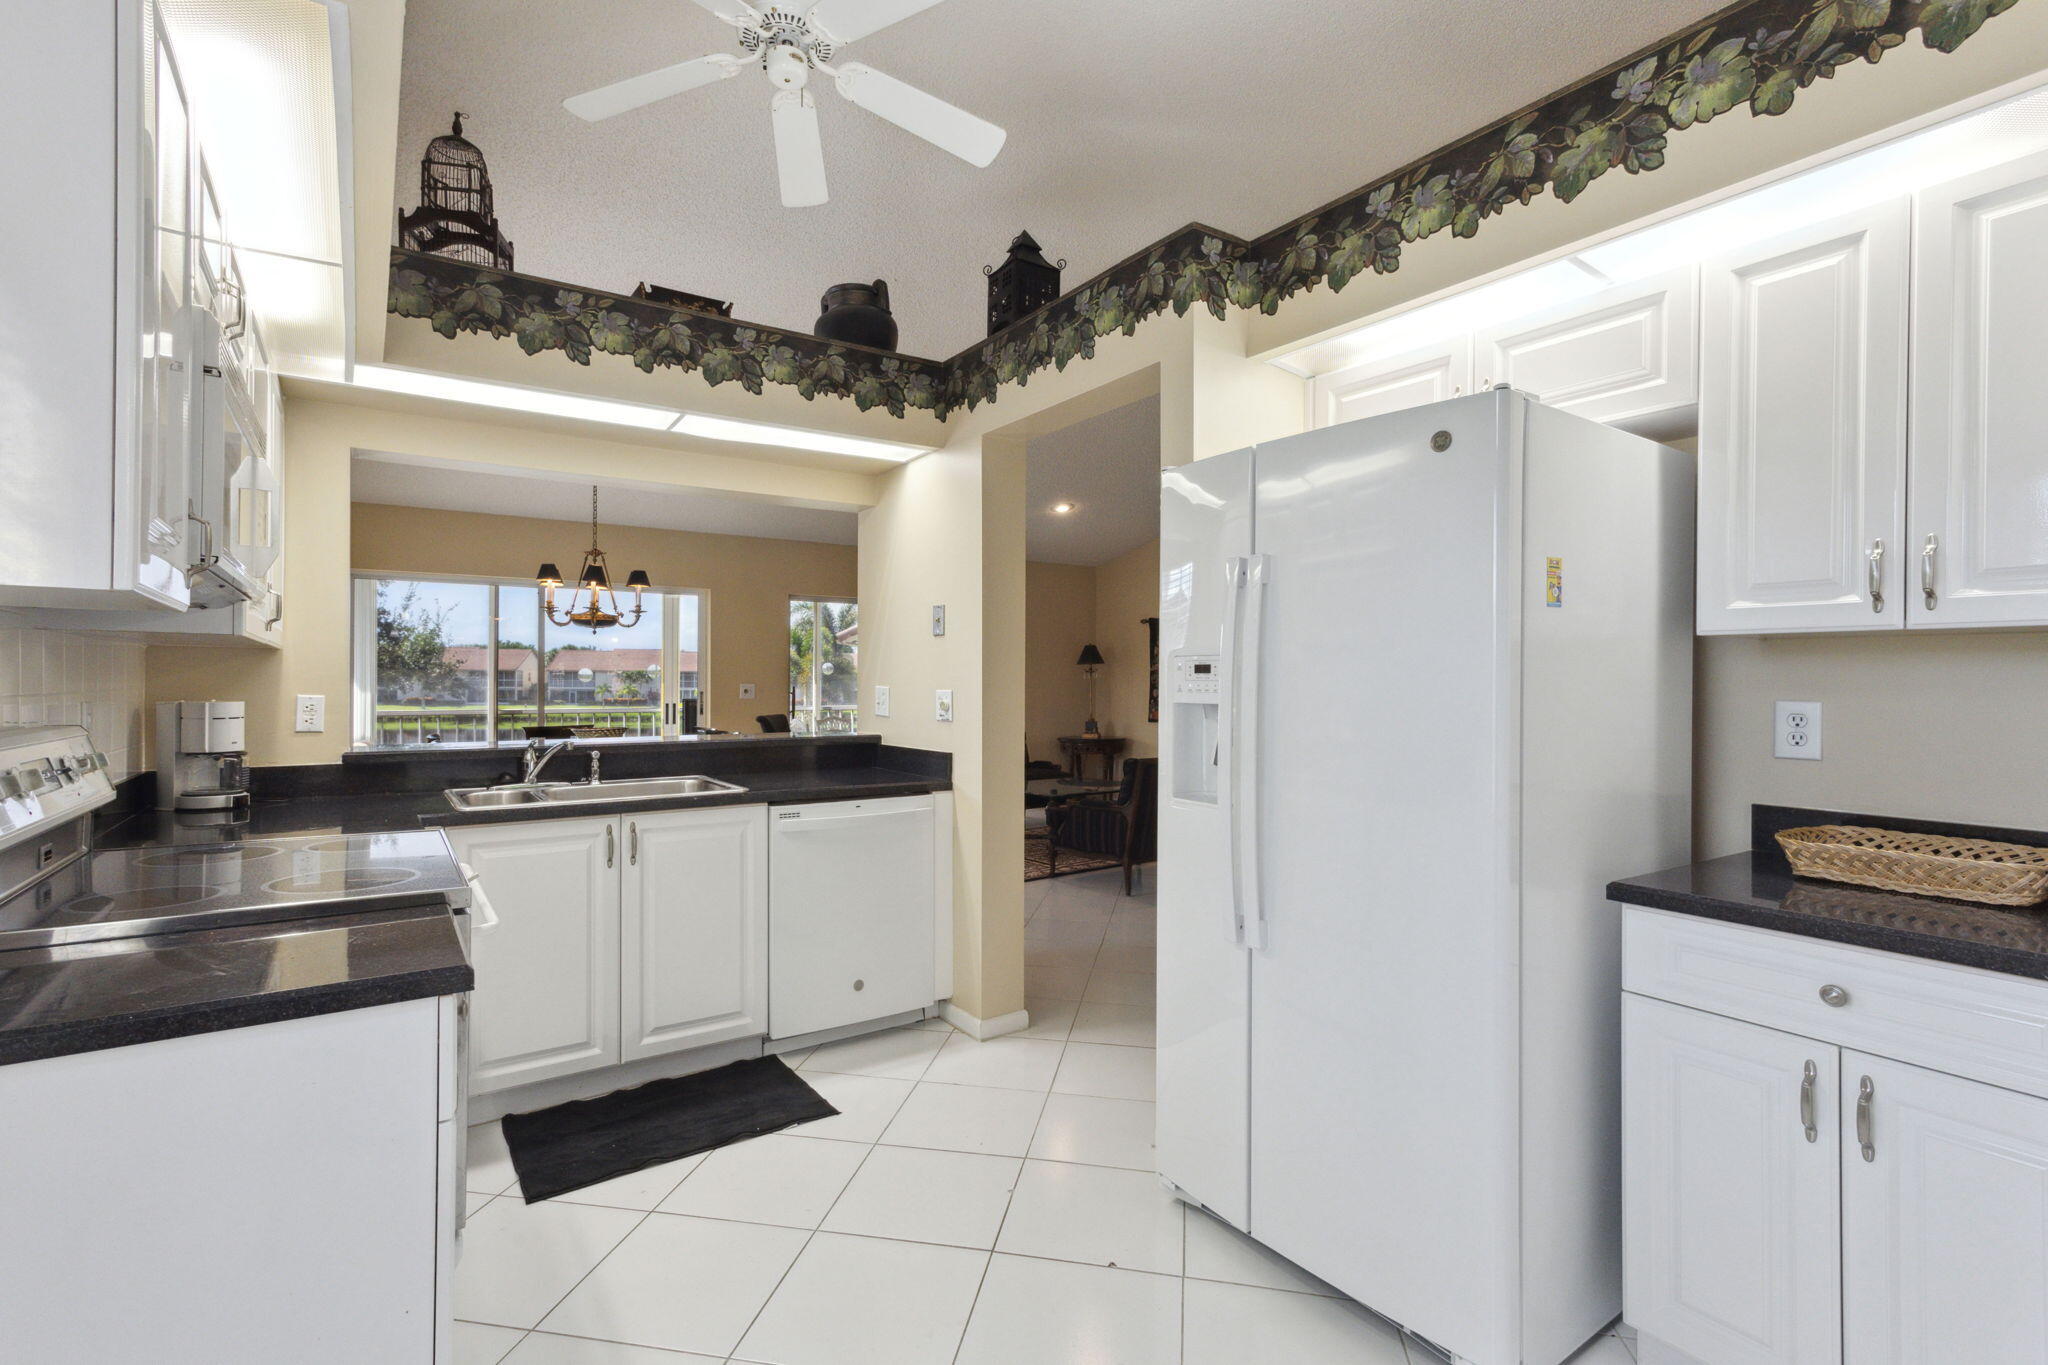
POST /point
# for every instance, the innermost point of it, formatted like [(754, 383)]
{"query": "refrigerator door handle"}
[(1245, 793), (1226, 744)]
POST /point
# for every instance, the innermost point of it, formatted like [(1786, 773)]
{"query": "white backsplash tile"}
[(61, 677)]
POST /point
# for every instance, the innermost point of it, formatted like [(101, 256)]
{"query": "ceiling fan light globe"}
[(787, 67)]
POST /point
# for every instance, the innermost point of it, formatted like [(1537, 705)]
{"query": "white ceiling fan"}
[(788, 44)]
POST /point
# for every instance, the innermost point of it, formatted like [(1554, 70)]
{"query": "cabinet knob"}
[(1834, 995)]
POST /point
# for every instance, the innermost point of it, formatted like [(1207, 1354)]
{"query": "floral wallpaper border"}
[(1759, 55)]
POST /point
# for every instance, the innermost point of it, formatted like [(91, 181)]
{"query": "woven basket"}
[(1922, 864)]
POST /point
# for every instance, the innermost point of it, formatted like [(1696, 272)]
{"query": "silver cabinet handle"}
[(633, 843), (611, 846), (1807, 1116), (1864, 1094), (1876, 559), (1834, 995), (1927, 554)]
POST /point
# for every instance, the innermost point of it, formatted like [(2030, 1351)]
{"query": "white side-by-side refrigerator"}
[(1427, 688)]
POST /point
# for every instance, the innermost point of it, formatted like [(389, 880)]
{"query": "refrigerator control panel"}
[(1197, 677)]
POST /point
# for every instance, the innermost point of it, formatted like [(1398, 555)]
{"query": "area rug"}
[(1042, 860), (586, 1142)]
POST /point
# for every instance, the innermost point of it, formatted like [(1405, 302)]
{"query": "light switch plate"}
[(938, 620), (945, 703), (1795, 730), (310, 715), (746, 691), (881, 699)]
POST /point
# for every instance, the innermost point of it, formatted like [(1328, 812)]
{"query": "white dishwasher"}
[(850, 912)]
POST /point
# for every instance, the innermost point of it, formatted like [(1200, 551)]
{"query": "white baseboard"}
[(982, 1030)]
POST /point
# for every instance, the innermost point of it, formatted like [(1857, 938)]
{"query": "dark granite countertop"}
[(1758, 889), (270, 817), (91, 996)]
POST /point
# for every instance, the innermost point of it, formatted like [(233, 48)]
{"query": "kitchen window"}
[(471, 661), (824, 666)]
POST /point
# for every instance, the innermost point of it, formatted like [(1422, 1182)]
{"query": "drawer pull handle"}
[(1806, 1106), (1834, 995), (1864, 1137)]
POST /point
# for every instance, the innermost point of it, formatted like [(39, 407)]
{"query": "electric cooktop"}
[(127, 893)]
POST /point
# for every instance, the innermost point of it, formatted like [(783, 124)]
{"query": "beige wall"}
[(1941, 725), (747, 581), (1059, 618), (72, 677), (1126, 591)]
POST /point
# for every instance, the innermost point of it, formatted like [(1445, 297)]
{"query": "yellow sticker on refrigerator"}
[(1553, 582)]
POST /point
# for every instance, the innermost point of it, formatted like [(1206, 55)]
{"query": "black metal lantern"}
[(456, 217), (1024, 283)]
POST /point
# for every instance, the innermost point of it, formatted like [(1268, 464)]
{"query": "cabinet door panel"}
[(1623, 354), (1730, 1212), (547, 971), (694, 929), (1945, 1228), (1392, 383), (1979, 477), (1802, 430)]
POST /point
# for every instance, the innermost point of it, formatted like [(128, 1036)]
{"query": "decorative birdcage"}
[(456, 216), (1024, 283)]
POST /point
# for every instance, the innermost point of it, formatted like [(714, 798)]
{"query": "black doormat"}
[(585, 1142)]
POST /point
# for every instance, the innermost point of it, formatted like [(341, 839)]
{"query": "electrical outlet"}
[(746, 691), (310, 716), (945, 703), (881, 700), (1795, 730)]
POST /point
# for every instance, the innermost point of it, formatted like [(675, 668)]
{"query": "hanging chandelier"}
[(600, 607)]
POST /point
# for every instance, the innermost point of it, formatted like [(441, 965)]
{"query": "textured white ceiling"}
[(1126, 121), (400, 484), (1108, 467)]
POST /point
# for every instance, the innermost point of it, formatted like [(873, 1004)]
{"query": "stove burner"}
[(200, 854), (331, 880)]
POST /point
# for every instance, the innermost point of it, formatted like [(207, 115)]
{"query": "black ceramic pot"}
[(858, 313)]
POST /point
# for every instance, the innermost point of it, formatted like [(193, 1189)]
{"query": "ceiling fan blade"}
[(738, 13), (847, 20), (655, 85), (975, 141), (799, 154)]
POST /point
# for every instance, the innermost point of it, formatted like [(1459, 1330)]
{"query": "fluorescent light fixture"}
[(794, 438), (419, 383)]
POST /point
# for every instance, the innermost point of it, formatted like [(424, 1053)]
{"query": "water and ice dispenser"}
[(1197, 692)]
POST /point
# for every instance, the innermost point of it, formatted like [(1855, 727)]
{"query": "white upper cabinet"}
[(91, 276), (1392, 383), (1977, 511), (1942, 1217), (694, 929), (1625, 355), (1803, 429)]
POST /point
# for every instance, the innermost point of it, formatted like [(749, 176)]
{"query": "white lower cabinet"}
[(610, 940), (1944, 1218), (1730, 1211), (1793, 1200), (547, 961), (694, 929)]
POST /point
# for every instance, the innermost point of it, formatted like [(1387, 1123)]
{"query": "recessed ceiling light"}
[(1062, 508)]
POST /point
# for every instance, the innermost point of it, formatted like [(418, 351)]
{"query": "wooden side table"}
[(1075, 749)]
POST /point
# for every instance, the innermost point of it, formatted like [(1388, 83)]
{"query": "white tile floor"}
[(972, 1204)]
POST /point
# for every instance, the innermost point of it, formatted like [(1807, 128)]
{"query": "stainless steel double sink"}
[(574, 793)]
